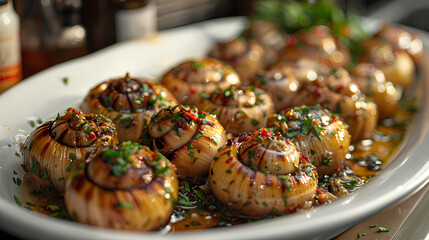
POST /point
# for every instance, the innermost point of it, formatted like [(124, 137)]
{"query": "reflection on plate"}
[(45, 94)]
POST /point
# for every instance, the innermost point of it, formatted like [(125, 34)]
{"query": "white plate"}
[(45, 94)]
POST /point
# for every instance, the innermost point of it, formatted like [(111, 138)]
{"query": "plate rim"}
[(404, 151)]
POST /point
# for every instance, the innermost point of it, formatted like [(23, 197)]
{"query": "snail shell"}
[(261, 174), (397, 66), (126, 187), (246, 56), (49, 150), (319, 44), (129, 102), (373, 83), (239, 109), (187, 136), (271, 37), (279, 82), (320, 136), (188, 79), (340, 94), (400, 39), (304, 68)]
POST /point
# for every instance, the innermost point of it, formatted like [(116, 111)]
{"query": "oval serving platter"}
[(62, 86)]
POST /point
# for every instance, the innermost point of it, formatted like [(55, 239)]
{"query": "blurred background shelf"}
[(91, 24)]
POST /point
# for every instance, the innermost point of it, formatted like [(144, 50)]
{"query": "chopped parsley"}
[(65, 80), (383, 229), (123, 205)]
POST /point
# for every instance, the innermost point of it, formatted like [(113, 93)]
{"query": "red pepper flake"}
[(175, 89), (335, 119), (193, 117), (155, 155), (91, 136), (243, 138), (290, 210), (286, 111), (291, 41), (305, 159), (229, 160), (319, 191), (265, 133), (318, 91), (255, 133), (192, 89)]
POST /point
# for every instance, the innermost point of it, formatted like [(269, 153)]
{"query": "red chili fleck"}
[(305, 159), (266, 133), (155, 155), (192, 89), (229, 160), (291, 41), (193, 117), (91, 136), (256, 133), (290, 210), (319, 191), (335, 119), (318, 92), (140, 158), (243, 137), (175, 89), (286, 111)]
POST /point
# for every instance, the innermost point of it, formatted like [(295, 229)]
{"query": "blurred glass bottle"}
[(135, 18), (98, 19), (51, 33), (71, 41), (10, 56), (39, 30)]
